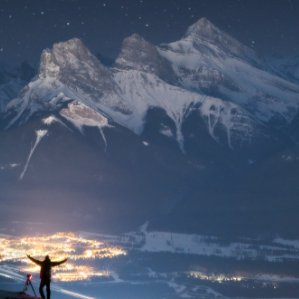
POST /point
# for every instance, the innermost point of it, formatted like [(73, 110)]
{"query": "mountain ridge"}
[(218, 87)]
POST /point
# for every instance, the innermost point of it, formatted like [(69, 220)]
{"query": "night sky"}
[(29, 26)]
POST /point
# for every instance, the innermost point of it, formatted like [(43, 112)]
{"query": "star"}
[(68, 24), (42, 12)]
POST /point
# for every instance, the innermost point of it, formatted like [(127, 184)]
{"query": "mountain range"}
[(202, 127)]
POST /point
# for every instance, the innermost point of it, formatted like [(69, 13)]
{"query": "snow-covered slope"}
[(208, 60), (69, 72), (145, 90)]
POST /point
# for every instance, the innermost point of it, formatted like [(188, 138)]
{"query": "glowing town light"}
[(214, 278), (79, 251)]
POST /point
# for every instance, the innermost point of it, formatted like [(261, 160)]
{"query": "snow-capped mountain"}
[(12, 80), (164, 130), (68, 71), (210, 61), (207, 76)]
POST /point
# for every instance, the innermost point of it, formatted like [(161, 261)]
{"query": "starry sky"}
[(29, 26)]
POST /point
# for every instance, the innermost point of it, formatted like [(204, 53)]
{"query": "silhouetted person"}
[(45, 273)]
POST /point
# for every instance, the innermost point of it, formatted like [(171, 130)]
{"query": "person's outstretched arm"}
[(58, 263), (34, 260)]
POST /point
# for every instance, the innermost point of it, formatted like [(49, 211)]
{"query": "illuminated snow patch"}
[(39, 135), (73, 294), (81, 115), (49, 120), (81, 252), (165, 130), (13, 165), (9, 166)]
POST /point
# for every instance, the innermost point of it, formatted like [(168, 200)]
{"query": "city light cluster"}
[(214, 277), (80, 251)]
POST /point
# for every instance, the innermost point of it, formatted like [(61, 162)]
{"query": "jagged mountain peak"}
[(73, 65), (68, 49), (136, 52), (73, 43), (204, 31), (71, 55), (139, 54), (202, 27), (135, 37)]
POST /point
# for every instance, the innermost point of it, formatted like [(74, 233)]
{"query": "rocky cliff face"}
[(12, 80), (137, 53), (73, 65)]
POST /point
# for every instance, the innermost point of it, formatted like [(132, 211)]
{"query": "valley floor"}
[(168, 265)]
